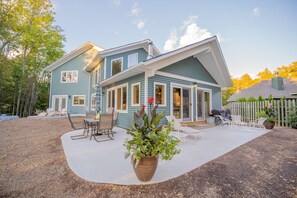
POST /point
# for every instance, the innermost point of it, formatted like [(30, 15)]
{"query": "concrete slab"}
[(104, 162)]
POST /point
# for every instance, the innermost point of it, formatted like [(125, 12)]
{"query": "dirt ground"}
[(33, 164)]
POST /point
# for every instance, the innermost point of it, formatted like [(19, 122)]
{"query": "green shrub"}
[(292, 117)]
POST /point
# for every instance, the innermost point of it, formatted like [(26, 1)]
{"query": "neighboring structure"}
[(277, 87), (185, 82)]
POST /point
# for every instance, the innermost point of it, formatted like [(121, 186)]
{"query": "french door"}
[(181, 103), (203, 104), (59, 103)]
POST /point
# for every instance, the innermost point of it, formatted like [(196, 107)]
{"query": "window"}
[(69, 76), (117, 98), (135, 94), (160, 94), (132, 59), (93, 102), (78, 100), (116, 66), (95, 77)]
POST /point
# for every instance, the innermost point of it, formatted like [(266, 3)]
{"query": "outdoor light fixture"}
[(69, 96), (195, 84)]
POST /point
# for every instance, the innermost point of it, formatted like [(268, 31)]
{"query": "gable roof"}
[(207, 51), (264, 89), (131, 46), (72, 55)]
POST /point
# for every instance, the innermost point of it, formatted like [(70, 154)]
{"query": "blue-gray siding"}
[(142, 55)]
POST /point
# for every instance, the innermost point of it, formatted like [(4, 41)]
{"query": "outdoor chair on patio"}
[(259, 123), (236, 120), (183, 131), (76, 126), (223, 121), (90, 114), (104, 127), (114, 117)]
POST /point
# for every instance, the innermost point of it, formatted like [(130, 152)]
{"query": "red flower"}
[(151, 100), (143, 106)]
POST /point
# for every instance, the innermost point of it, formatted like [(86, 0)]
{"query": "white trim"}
[(122, 63), (203, 99), (181, 86), (59, 96), (132, 92), (128, 65), (165, 95), (104, 68), (89, 90), (92, 95), (66, 76), (50, 94), (145, 90), (116, 98), (78, 105), (184, 78)]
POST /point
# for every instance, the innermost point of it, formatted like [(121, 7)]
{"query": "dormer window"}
[(116, 66), (132, 59)]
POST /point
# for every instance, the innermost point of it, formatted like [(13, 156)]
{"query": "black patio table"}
[(93, 124)]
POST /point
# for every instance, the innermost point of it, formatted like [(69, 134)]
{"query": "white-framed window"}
[(132, 59), (116, 66), (117, 97), (69, 76), (93, 101), (135, 94), (78, 100), (160, 94), (95, 76)]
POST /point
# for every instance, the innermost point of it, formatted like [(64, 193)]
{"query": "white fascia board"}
[(72, 55)]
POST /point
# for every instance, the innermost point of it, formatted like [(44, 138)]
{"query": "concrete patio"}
[(104, 162)]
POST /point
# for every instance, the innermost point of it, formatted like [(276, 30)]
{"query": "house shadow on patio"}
[(104, 162)]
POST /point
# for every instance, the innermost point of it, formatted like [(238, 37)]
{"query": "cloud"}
[(256, 11), (191, 33), (140, 24), (116, 3), (171, 42), (135, 10)]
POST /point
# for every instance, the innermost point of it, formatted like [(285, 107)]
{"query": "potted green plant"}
[(149, 141), (270, 114)]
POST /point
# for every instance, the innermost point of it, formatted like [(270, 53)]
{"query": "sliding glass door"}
[(181, 103), (203, 104)]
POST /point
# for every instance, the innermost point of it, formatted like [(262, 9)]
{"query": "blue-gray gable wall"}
[(142, 55), (191, 68), (124, 119), (82, 87)]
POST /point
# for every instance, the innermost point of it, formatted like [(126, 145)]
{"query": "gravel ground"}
[(33, 164)]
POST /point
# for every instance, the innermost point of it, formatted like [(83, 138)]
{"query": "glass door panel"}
[(200, 113), (207, 103), (186, 104), (177, 102)]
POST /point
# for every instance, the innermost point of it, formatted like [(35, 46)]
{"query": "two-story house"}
[(186, 82)]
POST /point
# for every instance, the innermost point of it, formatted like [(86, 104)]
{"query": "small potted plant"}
[(149, 141), (270, 114)]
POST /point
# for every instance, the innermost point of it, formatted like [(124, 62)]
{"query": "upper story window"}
[(69, 76), (95, 77), (160, 93), (78, 100), (132, 59), (116, 66)]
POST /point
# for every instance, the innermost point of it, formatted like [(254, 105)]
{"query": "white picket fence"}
[(248, 110)]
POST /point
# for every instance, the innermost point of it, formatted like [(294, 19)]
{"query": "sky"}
[(253, 34)]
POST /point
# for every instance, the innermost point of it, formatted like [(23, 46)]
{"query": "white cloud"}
[(140, 24), (171, 42), (256, 11), (191, 33), (116, 3), (135, 10)]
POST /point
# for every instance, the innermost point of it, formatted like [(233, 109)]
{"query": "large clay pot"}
[(146, 168), (269, 124)]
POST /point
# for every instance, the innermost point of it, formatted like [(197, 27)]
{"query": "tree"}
[(29, 41), (266, 74)]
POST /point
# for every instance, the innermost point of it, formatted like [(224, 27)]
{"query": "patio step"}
[(190, 124)]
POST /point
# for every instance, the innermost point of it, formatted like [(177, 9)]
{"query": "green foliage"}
[(149, 138), (292, 117), (268, 112), (260, 98), (243, 99), (252, 99)]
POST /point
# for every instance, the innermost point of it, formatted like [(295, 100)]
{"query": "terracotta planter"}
[(146, 168), (269, 124)]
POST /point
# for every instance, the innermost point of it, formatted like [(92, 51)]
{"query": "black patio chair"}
[(78, 127)]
